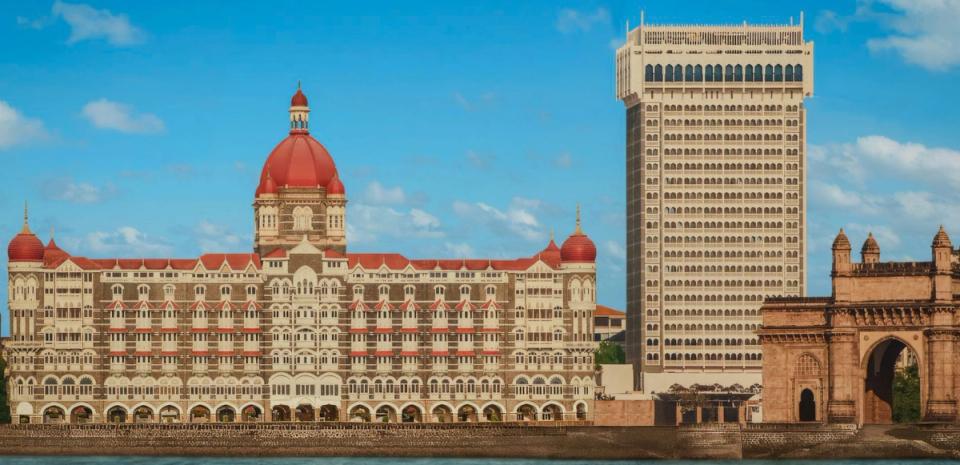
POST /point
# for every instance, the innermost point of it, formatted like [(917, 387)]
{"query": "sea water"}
[(113, 460)]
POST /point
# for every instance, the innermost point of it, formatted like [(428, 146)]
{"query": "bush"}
[(609, 353)]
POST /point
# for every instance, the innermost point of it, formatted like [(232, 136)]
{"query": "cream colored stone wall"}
[(716, 189)]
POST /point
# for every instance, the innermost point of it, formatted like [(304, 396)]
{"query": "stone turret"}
[(841, 253), (942, 254), (870, 252)]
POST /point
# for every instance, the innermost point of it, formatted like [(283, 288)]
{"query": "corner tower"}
[(300, 193)]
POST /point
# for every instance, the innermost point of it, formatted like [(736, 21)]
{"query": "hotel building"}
[(300, 329), (716, 221)]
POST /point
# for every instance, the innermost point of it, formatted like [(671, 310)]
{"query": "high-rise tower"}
[(716, 221)]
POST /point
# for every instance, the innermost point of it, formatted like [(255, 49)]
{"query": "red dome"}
[(578, 248), (25, 247), (335, 187), (298, 161), (298, 99)]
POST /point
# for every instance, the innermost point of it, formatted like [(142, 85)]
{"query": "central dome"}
[(299, 160)]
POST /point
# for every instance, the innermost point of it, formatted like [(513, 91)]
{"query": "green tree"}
[(906, 395), (609, 353), (4, 407)]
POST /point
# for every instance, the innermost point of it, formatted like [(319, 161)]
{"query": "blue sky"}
[(459, 128)]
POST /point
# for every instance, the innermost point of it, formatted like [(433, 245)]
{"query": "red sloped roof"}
[(603, 310), (276, 253)]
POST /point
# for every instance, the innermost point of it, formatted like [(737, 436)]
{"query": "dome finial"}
[(26, 225), (578, 230), (551, 234), (298, 84)]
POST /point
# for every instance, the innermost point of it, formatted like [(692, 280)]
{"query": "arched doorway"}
[(280, 413), (169, 414), (552, 412), (81, 414), (492, 413), (305, 413), (329, 413), (53, 415), (808, 406), (360, 414), (117, 415), (143, 414), (442, 414), (526, 412), (467, 413), (386, 414), (581, 412), (226, 414), (199, 414), (251, 413), (891, 384), (410, 414)]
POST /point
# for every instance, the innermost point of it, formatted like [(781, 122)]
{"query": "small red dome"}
[(298, 99), (268, 186), (335, 187), (25, 247), (297, 161)]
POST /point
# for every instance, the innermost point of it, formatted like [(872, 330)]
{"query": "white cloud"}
[(88, 23), (106, 114), (16, 129), (125, 241), (519, 217), (216, 238), (68, 190), (615, 250), (377, 194), (369, 223), (460, 250), (564, 160), (472, 104), (480, 161), (835, 196), (922, 32), (570, 20)]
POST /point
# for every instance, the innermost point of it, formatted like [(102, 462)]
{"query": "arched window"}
[(807, 365), (778, 73), (708, 74), (768, 73), (302, 218), (698, 73), (728, 73), (798, 73), (788, 74), (658, 73), (738, 73), (669, 76), (748, 76), (648, 76), (688, 73)]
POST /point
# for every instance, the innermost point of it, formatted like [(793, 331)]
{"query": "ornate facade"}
[(833, 359), (301, 329), (716, 150)]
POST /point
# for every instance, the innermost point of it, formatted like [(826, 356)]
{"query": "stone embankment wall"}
[(567, 441)]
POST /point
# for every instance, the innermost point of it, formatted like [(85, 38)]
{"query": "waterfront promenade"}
[(524, 440)]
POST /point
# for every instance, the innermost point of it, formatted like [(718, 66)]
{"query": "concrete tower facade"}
[(716, 158)]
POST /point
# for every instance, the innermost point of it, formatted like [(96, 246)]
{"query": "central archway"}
[(891, 384)]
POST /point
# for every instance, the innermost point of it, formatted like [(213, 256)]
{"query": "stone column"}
[(844, 370), (940, 339)]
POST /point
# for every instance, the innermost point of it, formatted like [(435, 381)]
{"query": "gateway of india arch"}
[(300, 329), (833, 359)]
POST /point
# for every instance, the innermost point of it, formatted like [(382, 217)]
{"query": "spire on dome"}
[(26, 225), (299, 113), (578, 230)]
